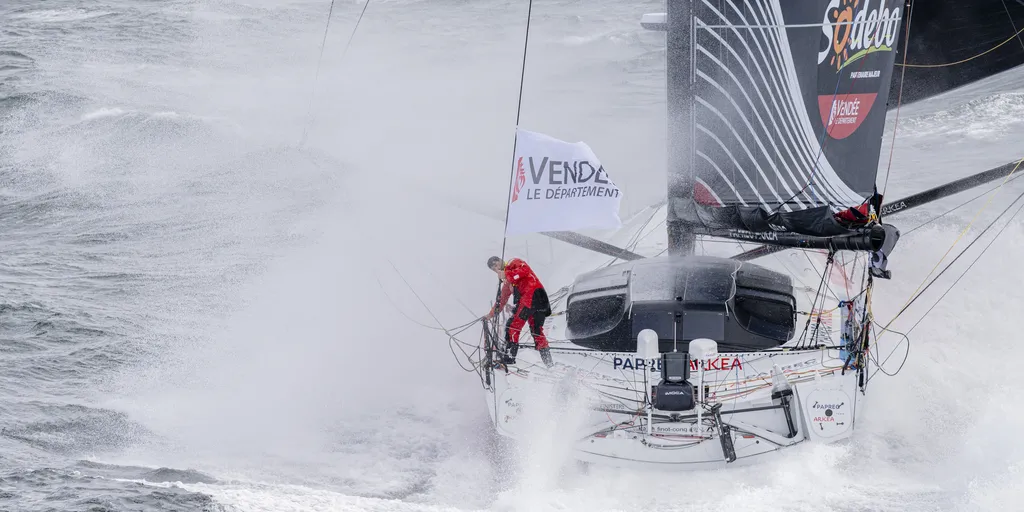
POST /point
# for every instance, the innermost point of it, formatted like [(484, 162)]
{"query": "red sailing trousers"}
[(526, 314)]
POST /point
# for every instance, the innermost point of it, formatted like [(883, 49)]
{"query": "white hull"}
[(825, 407), (611, 422)]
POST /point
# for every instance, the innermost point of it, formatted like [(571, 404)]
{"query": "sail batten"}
[(774, 43), (783, 113), (763, 173), (790, 116), (767, 133), (736, 165)]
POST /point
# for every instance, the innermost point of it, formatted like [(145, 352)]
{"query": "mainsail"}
[(777, 111)]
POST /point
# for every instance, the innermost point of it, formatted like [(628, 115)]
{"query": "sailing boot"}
[(545, 355), (511, 350)]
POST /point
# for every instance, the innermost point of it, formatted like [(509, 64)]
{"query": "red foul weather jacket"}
[(519, 275)]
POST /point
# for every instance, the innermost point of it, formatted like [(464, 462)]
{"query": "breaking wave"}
[(983, 118), (59, 15)]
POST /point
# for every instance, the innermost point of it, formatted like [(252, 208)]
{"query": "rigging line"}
[(906, 336), (943, 214), (824, 183), (815, 268), (817, 159), (452, 333), (456, 297), (899, 100), (323, 44), (515, 138), (377, 276), (816, 171), (636, 238), (636, 242), (416, 295), (319, 61), (449, 331), (820, 294), (1013, 24), (469, 356), (994, 238), (409, 318), (796, 276), (1011, 38), (446, 331), (880, 366), (958, 238), (950, 265)]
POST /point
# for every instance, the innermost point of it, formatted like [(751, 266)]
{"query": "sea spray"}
[(556, 414)]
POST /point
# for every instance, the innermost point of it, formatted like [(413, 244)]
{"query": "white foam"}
[(296, 498), (59, 15), (103, 113), (996, 116)]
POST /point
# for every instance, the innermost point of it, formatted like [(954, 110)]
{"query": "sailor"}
[(532, 305)]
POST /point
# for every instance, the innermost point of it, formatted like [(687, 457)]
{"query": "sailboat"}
[(685, 360)]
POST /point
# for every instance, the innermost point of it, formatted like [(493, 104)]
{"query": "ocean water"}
[(197, 312)]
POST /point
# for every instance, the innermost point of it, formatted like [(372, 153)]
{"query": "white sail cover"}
[(559, 186)]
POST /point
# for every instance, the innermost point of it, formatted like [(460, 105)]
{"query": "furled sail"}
[(785, 116)]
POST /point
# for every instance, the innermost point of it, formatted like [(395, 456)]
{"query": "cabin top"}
[(691, 279), (738, 304)]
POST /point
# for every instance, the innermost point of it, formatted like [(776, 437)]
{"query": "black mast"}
[(680, 121)]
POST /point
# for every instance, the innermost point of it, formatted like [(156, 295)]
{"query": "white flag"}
[(559, 186)]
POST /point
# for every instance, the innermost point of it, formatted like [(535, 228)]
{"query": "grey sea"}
[(208, 253)]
